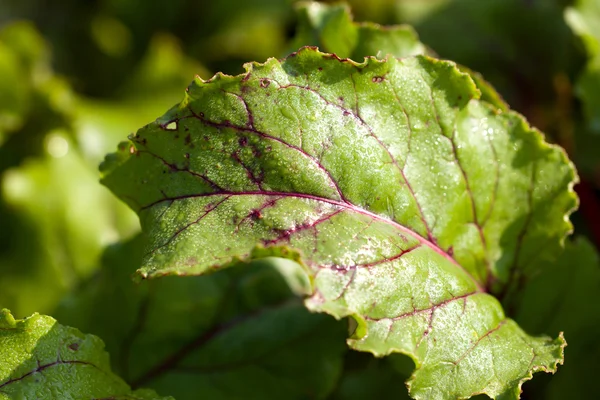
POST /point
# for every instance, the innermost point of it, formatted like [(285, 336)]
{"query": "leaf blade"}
[(384, 165)]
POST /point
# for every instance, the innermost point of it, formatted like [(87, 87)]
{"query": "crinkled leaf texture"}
[(403, 196), (41, 359), (330, 27)]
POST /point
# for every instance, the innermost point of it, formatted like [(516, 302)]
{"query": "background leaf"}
[(558, 299), (43, 358), (584, 17), (330, 27), (236, 334), (366, 376)]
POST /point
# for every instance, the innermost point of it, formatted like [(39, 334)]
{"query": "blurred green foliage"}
[(78, 77), (584, 19)]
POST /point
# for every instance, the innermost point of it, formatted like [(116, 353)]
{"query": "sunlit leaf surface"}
[(42, 359), (405, 198)]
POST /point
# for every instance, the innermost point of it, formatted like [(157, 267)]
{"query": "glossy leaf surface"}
[(405, 198)]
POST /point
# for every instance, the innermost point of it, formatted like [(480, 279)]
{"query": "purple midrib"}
[(341, 204)]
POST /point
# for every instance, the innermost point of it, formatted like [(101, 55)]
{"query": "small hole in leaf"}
[(171, 126)]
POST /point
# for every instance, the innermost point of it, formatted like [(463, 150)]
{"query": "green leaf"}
[(39, 358), (488, 93), (216, 336), (330, 27), (584, 18), (559, 298), (403, 196)]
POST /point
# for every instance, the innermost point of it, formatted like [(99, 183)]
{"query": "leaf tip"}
[(552, 367), (139, 276), (7, 320)]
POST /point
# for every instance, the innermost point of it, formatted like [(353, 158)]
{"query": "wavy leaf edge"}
[(127, 148), (283, 251)]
